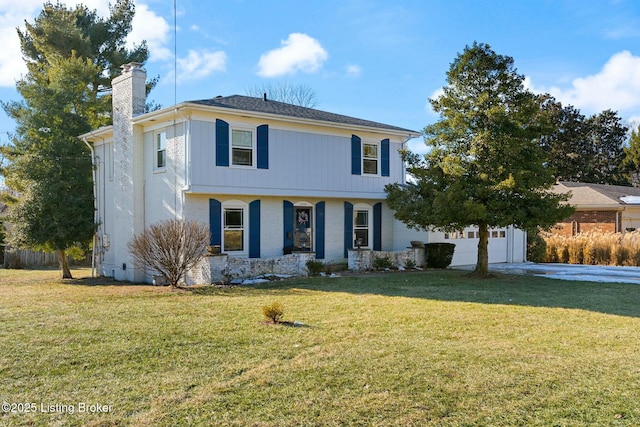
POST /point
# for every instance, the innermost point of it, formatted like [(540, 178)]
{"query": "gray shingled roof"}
[(246, 103), (600, 194)]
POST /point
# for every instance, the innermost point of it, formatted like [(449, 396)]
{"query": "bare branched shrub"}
[(171, 248)]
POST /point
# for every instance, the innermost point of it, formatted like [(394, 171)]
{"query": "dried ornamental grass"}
[(594, 248)]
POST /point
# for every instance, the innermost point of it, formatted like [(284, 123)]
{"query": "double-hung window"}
[(161, 150), (370, 159), (242, 147), (234, 229), (361, 228)]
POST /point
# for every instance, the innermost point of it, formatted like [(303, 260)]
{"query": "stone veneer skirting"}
[(362, 259), (224, 268)]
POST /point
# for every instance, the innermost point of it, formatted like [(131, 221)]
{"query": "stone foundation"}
[(224, 268), (362, 259)]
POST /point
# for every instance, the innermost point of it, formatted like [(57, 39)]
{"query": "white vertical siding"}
[(299, 163)]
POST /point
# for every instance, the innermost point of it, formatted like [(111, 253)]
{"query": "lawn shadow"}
[(508, 289)]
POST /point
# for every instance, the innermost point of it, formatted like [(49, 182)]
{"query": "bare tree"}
[(301, 95), (171, 248)]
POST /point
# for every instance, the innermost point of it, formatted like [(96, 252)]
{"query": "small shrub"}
[(382, 263), (409, 264), (315, 267), (77, 253), (439, 255), (13, 261), (536, 247), (273, 312)]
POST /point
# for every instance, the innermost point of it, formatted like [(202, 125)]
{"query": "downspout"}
[(95, 207)]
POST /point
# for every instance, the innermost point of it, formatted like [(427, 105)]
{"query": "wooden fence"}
[(22, 258)]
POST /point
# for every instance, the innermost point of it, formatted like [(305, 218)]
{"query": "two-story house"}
[(266, 176)]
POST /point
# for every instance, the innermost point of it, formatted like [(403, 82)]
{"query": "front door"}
[(302, 229)]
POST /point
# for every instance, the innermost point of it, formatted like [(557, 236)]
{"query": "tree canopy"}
[(485, 166), (71, 55), (631, 162), (585, 149)]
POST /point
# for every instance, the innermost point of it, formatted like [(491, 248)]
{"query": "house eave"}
[(97, 134), (183, 109)]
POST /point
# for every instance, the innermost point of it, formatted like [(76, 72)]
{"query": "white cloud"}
[(12, 16), (197, 65), (149, 26), (616, 86), (354, 71), (299, 52), (146, 26)]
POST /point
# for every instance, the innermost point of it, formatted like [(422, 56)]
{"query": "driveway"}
[(589, 273)]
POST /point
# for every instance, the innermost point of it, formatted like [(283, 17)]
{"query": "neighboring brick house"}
[(268, 177), (599, 207)]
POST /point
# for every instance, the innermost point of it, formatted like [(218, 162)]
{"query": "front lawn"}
[(428, 348)]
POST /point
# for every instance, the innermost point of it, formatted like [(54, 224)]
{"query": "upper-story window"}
[(161, 150), (370, 158), (242, 147)]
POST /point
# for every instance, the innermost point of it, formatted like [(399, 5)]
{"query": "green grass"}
[(433, 348)]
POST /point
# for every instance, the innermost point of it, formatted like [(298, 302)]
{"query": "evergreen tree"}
[(631, 162), (485, 166), (71, 55), (606, 138), (584, 149)]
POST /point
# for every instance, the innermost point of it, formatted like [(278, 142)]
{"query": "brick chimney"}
[(128, 97)]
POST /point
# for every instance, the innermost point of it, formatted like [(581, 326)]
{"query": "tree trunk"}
[(64, 264), (482, 265)]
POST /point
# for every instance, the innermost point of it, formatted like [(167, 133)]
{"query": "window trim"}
[(378, 158), (254, 146), (157, 150)]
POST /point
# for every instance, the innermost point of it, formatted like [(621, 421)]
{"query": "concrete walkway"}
[(589, 273)]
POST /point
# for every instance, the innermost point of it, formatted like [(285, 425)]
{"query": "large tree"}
[(585, 149), (607, 137), (71, 55), (485, 166), (631, 162)]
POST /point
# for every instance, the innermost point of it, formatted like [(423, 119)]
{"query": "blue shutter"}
[(377, 227), (356, 155), (287, 213), (348, 227), (222, 143), (384, 157), (320, 230), (263, 147), (254, 229), (215, 222)]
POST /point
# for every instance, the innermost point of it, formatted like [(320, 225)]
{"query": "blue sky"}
[(372, 59)]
